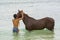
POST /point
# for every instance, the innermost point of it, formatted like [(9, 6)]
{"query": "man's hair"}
[(14, 15)]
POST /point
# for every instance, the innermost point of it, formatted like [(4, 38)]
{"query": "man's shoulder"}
[(14, 19)]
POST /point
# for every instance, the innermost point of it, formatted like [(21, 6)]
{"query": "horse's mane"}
[(29, 17)]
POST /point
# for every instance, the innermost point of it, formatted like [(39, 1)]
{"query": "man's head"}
[(14, 15)]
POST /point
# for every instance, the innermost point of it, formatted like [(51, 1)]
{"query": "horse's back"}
[(46, 22), (50, 19)]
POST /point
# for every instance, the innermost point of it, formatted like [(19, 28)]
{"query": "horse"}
[(37, 24)]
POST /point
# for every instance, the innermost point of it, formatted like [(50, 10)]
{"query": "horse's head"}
[(19, 14)]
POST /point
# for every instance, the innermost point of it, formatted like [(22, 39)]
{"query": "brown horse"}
[(33, 24)]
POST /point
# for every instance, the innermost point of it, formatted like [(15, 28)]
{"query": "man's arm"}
[(19, 18)]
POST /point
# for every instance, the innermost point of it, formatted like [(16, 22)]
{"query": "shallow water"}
[(25, 35), (34, 8)]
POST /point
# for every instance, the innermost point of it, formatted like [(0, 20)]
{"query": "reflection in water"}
[(18, 36), (15, 36), (34, 35)]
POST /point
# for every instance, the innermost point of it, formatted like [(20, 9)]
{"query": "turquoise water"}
[(34, 8)]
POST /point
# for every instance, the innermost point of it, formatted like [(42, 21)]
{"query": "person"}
[(16, 22)]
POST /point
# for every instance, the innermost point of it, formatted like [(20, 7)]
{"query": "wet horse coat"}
[(33, 24)]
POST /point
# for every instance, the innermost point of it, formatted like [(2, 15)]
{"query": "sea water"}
[(35, 8)]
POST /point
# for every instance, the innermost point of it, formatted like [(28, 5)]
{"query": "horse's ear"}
[(21, 10)]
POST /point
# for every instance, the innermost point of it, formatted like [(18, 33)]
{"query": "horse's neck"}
[(26, 19)]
